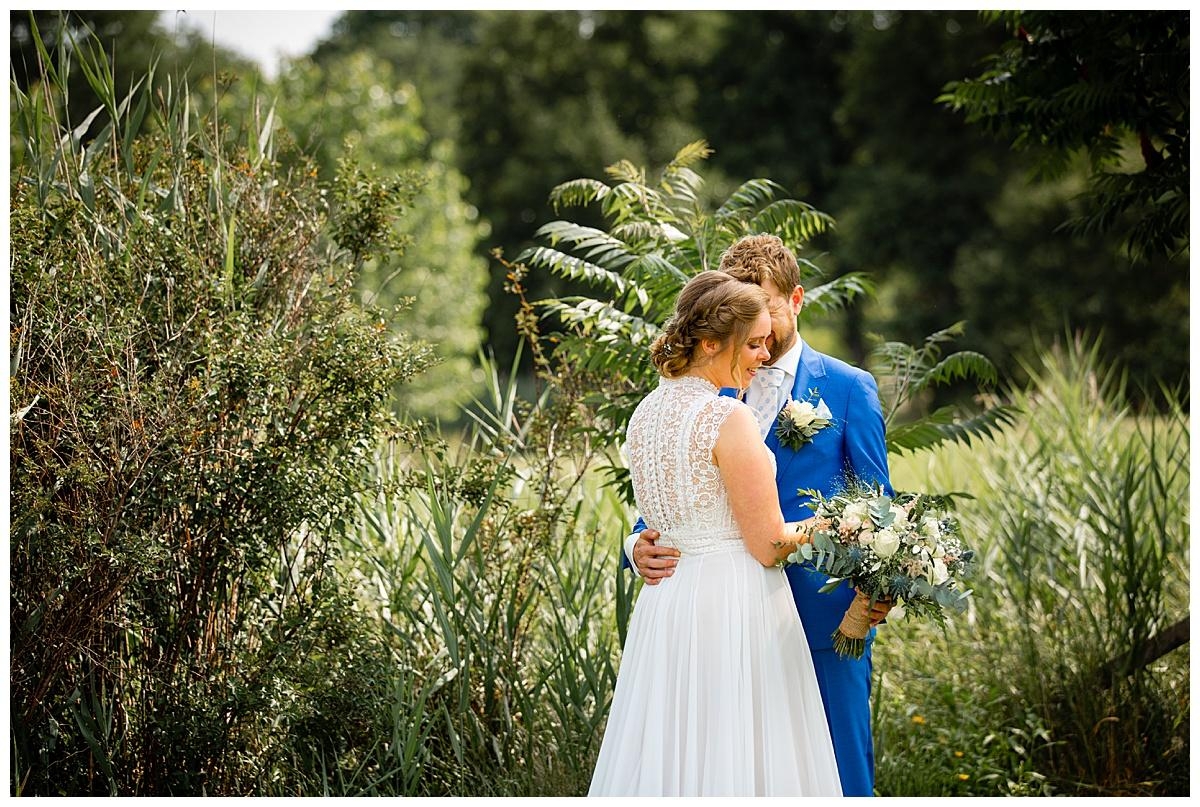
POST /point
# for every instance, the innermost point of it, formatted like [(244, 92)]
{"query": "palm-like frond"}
[(794, 221), (578, 193), (961, 366), (947, 425), (689, 155), (627, 173), (682, 187), (753, 195), (595, 245), (603, 340), (638, 202), (648, 233), (906, 371), (600, 322), (570, 266), (837, 293)]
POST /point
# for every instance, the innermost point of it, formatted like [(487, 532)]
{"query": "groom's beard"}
[(778, 348)]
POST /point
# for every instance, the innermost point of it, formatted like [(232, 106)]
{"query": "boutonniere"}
[(799, 422)]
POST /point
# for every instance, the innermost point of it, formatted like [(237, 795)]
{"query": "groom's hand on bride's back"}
[(654, 562)]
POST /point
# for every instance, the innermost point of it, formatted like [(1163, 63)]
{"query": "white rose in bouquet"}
[(886, 543), (939, 573), (852, 518)]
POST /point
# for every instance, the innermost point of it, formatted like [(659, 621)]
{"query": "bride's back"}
[(678, 487)]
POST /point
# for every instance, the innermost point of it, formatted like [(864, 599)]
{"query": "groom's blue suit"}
[(853, 446)]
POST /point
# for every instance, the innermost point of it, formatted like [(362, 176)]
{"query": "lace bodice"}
[(678, 487)]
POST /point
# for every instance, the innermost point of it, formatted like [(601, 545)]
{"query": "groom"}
[(852, 445)]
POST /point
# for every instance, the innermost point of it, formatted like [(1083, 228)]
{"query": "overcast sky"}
[(264, 36)]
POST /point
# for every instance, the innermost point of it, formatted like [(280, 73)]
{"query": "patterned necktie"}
[(765, 386)]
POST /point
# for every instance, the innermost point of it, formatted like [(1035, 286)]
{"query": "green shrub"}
[(196, 392)]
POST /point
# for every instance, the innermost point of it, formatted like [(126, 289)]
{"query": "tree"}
[(1110, 84), (355, 106), (917, 179)]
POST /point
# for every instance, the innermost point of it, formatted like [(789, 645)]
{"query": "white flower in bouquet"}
[(904, 549), (940, 574), (857, 510), (852, 520), (886, 543)]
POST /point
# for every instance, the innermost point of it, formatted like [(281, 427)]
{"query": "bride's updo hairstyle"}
[(711, 306)]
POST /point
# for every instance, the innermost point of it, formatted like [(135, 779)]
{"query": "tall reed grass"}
[(491, 566), (1062, 678)]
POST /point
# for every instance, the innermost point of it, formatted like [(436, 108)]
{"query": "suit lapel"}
[(810, 371)]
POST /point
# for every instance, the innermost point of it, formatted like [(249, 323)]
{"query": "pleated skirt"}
[(716, 692)]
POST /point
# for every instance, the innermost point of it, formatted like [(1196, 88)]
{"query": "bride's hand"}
[(799, 532)]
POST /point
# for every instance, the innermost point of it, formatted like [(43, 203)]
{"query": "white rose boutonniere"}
[(799, 422)]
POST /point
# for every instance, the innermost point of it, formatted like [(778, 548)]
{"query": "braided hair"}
[(713, 306)]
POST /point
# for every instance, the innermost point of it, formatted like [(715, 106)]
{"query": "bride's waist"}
[(702, 540)]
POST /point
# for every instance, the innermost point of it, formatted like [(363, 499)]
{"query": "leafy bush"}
[(197, 390)]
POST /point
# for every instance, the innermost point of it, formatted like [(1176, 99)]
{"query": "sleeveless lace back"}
[(716, 693), (677, 485)]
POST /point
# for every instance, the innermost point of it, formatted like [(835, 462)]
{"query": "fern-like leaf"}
[(682, 186), (689, 155), (626, 172), (596, 245), (965, 364), (569, 266), (837, 293), (578, 193), (753, 195), (794, 221), (946, 425)]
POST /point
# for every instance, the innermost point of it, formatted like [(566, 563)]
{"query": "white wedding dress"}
[(716, 693)]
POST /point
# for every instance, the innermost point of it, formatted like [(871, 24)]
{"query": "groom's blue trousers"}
[(846, 691)]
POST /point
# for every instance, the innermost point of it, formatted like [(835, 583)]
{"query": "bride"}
[(716, 693)]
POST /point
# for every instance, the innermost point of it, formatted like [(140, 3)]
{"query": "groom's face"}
[(784, 308)]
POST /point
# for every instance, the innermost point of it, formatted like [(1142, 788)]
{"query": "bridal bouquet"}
[(905, 549)]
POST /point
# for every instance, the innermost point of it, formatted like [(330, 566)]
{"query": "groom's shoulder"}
[(844, 370)]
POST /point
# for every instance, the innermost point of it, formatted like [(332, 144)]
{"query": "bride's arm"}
[(750, 481)]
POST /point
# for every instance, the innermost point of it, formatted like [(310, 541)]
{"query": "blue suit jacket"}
[(851, 447)]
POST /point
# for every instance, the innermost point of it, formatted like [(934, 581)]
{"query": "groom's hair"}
[(752, 258)]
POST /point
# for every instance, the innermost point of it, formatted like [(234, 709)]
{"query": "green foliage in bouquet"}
[(906, 549)]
